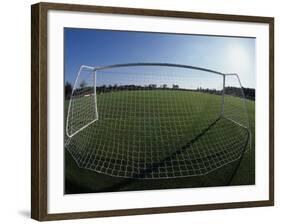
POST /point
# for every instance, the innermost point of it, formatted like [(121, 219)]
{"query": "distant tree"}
[(82, 84), (152, 86), (68, 90), (175, 86)]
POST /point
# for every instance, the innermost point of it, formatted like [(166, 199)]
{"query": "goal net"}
[(156, 120)]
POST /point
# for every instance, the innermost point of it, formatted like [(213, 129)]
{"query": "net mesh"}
[(155, 122)]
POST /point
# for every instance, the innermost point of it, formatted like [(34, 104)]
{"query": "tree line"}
[(84, 89)]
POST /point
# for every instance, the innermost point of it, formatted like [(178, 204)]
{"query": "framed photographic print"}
[(138, 111)]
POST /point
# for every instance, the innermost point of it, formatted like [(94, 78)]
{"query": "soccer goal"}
[(155, 120)]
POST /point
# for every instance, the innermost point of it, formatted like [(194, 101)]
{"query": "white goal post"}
[(99, 116), (71, 127)]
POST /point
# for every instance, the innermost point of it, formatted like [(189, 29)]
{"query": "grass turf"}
[(172, 110)]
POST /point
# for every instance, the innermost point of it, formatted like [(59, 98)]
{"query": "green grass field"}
[(146, 127)]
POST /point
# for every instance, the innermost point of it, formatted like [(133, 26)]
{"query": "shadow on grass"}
[(79, 180)]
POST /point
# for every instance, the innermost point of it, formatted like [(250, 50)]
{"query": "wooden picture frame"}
[(39, 110)]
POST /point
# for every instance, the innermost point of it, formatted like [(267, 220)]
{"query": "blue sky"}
[(104, 47)]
